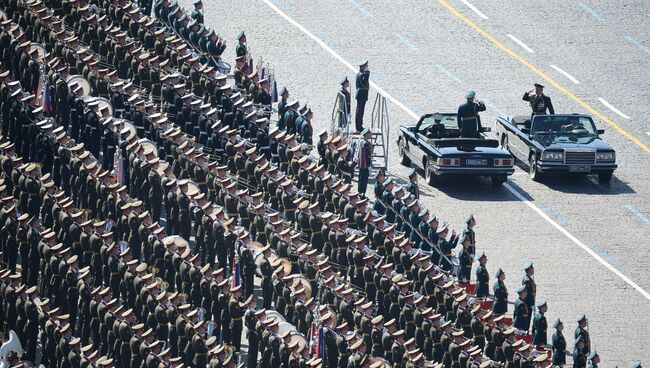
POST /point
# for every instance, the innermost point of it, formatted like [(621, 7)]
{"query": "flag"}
[(321, 343), (37, 93), (236, 276), (47, 99), (250, 63), (312, 341), (274, 92), (118, 167), (262, 72), (469, 288)]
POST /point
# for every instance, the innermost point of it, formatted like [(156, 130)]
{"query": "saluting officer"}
[(539, 102), (469, 122)]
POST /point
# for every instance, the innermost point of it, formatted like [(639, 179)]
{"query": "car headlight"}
[(553, 156), (605, 156)]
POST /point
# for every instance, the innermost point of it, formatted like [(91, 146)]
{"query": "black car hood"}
[(596, 144)]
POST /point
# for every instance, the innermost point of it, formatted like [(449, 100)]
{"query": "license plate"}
[(474, 162), (579, 169)]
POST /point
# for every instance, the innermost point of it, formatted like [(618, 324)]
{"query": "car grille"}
[(579, 157)]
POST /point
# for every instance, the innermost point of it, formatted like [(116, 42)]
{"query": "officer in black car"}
[(539, 102), (469, 122)]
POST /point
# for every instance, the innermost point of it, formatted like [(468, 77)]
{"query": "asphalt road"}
[(587, 240)]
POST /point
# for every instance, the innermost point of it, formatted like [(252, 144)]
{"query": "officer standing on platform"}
[(539, 102), (469, 122), (364, 161), (363, 85)]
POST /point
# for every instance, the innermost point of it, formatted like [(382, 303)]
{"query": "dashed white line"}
[(569, 76), (615, 110), (474, 9), (518, 42), (511, 189)]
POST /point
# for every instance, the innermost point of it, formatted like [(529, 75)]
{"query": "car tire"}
[(532, 168), (498, 180), (429, 175), (605, 178), (404, 160)]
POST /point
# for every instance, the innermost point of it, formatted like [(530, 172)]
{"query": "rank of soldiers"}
[(111, 280)]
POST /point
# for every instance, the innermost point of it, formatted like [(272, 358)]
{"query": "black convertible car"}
[(433, 144), (558, 144)]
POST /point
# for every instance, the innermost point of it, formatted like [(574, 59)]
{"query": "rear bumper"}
[(562, 168), (473, 171)]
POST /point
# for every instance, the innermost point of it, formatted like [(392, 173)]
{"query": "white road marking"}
[(518, 42), (474, 9), (512, 190), (569, 76), (615, 110), (338, 57)]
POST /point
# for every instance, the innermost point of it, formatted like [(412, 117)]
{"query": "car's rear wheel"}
[(605, 178), (498, 180), (404, 160), (429, 175), (532, 169)]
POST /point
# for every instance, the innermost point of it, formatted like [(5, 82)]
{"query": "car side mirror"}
[(486, 129), (601, 131)]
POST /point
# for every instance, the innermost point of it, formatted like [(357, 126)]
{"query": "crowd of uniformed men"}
[(132, 233)]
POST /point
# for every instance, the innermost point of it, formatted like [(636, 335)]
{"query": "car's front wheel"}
[(605, 178), (532, 169), (404, 160)]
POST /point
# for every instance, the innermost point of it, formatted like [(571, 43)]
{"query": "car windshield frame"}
[(564, 125), (448, 120)]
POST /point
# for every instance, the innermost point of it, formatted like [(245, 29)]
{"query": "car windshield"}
[(564, 128), (448, 120)]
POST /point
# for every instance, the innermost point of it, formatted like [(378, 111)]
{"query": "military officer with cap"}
[(236, 313), (482, 276), (581, 332), (468, 119), (363, 86), (528, 281), (282, 107), (241, 49), (364, 160), (539, 102), (579, 356), (500, 291), (412, 185), (559, 344), (521, 316), (540, 325)]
